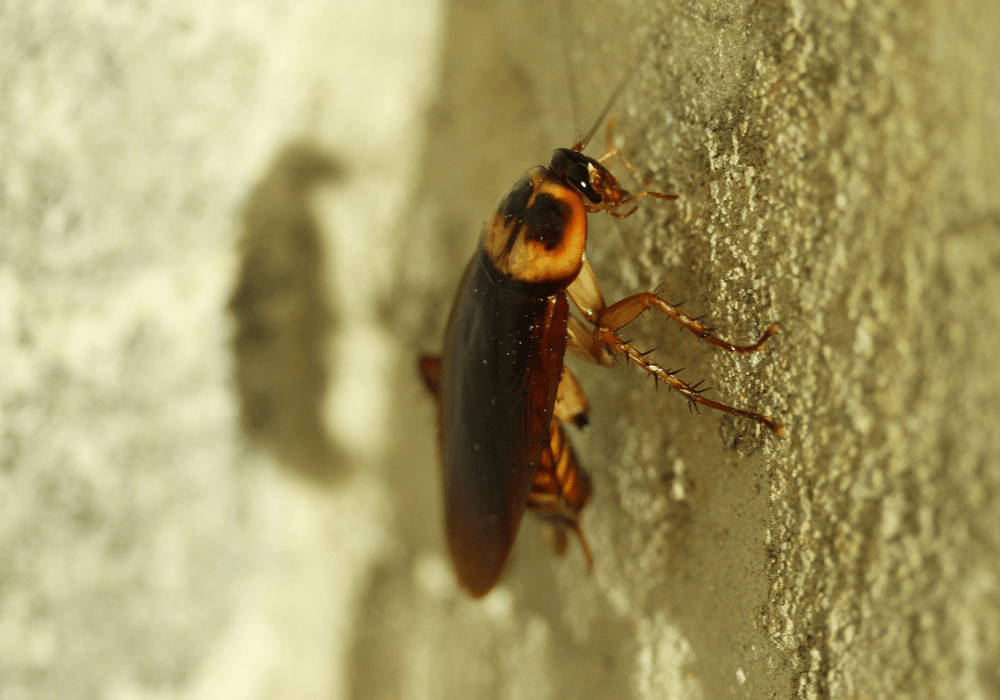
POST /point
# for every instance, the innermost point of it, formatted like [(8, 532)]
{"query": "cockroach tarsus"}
[(503, 391)]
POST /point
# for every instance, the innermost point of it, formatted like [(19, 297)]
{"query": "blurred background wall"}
[(197, 202), (227, 230)]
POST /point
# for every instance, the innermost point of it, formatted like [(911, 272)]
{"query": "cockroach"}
[(502, 389)]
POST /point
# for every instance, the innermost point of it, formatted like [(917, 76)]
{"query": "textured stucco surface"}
[(838, 171)]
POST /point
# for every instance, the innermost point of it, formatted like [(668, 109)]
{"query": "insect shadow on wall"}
[(502, 389), (282, 318)]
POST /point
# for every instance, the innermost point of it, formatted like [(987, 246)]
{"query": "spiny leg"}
[(622, 313), (610, 339), (632, 198), (585, 293), (597, 345), (581, 341)]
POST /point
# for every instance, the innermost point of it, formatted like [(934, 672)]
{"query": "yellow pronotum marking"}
[(528, 260)]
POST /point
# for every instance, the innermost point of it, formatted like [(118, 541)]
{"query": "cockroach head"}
[(585, 175)]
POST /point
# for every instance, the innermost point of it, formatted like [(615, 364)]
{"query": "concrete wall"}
[(181, 184), (228, 230), (837, 166)]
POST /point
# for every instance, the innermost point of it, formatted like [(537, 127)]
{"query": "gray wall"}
[(226, 233), (837, 166)]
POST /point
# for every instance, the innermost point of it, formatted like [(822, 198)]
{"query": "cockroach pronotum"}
[(500, 383)]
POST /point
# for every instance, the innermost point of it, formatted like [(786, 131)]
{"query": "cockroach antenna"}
[(574, 98), (582, 143), (570, 75)]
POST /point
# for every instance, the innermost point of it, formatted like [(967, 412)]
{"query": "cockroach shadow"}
[(282, 317)]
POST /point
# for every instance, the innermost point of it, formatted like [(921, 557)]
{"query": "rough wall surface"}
[(837, 166), (838, 171)]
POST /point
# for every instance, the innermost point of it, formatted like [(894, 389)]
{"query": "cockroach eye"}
[(579, 177)]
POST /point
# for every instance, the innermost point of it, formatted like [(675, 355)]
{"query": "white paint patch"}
[(434, 576), (660, 670)]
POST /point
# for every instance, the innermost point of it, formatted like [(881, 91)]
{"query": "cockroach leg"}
[(646, 193), (587, 297), (561, 487), (574, 525), (599, 344), (611, 207), (622, 313), (430, 370), (611, 152), (631, 198), (559, 539), (620, 215), (571, 403), (581, 342), (611, 340), (585, 294)]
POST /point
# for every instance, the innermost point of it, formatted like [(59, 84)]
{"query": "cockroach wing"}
[(499, 375)]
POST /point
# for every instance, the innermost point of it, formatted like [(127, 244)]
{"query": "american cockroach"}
[(501, 386)]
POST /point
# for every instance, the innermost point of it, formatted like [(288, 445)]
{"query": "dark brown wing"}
[(499, 375)]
